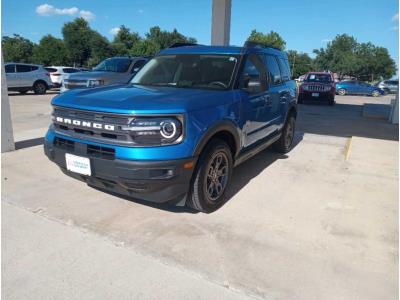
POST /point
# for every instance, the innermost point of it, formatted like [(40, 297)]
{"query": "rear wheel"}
[(39, 88), (331, 101), (341, 92), (211, 177), (285, 142)]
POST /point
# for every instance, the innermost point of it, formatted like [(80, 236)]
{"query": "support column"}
[(221, 22), (7, 137), (394, 114)]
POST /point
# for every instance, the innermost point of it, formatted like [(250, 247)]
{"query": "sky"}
[(304, 24)]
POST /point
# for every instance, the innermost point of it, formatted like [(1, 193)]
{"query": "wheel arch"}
[(225, 130), (40, 81)]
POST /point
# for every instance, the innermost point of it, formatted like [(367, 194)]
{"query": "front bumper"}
[(155, 181), (308, 95)]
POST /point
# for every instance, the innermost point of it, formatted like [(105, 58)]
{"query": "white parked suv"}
[(58, 73), (27, 77)]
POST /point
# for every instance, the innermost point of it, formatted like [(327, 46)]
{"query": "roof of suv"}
[(230, 50)]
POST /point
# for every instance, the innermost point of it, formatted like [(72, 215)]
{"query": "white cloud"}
[(140, 11), (326, 40), (115, 30), (50, 10), (395, 17), (87, 15)]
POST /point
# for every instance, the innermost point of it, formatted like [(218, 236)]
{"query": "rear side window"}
[(51, 70), (70, 70), (10, 68), (24, 68), (273, 70), (34, 68), (285, 70)]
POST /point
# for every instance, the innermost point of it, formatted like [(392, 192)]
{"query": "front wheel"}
[(341, 92), (211, 177), (285, 142), (375, 94)]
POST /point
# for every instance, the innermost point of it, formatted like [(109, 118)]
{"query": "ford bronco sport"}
[(175, 132)]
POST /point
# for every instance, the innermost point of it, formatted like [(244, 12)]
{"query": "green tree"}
[(51, 51), (271, 39), (126, 37), (164, 39), (77, 37), (345, 56), (145, 47), (17, 49), (300, 63), (100, 49)]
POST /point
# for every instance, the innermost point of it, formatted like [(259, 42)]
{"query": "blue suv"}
[(175, 132)]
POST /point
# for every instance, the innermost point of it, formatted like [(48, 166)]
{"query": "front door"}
[(256, 98), (11, 76)]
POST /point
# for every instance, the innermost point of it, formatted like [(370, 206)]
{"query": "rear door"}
[(25, 75)]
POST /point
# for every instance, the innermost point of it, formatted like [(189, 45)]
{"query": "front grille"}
[(75, 83), (64, 144), (116, 136), (317, 88), (87, 150), (100, 152)]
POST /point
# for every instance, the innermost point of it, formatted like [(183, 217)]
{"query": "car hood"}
[(133, 99)]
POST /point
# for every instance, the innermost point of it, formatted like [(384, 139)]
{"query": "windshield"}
[(319, 78), (188, 71), (119, 65)]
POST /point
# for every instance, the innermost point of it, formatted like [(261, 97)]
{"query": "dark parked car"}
[(389, 86), (317, 86), (358, 88)]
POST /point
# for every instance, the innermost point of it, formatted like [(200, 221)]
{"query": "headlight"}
[(156, 131), (92, 83)]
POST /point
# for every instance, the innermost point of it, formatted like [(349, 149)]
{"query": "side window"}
[(23, 68), (70, 70), (254, 75), (10, 68), (34, 68), (285, 70), (273, 70), (137, 65)]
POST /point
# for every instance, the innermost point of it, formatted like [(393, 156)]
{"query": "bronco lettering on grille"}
[(87, 124)]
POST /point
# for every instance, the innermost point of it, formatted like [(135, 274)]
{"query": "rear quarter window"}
[(24, 68), (273, 69), (51, 70), (285, 69)]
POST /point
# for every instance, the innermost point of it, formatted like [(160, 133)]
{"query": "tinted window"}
[(23, 68), (394, 82), (70, 70), (319, 78), (254, 69), (51, 70), (119, 65), (137, 65), (188, 71), (10, 68), (273, 70), (34, 68), (285, 70)]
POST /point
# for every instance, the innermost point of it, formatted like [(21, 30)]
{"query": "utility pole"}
[(221, 22)]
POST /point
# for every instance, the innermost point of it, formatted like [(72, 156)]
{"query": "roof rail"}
[(176, 45), (251, 44)]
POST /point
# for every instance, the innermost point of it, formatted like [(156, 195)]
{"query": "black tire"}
[(331, 101), (300, 100), (208, 188), (39, 88), (23, 92), (342, 92), (375, 94), (285, 142)]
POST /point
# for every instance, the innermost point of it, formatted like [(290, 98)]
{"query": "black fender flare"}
[(224, 125)]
